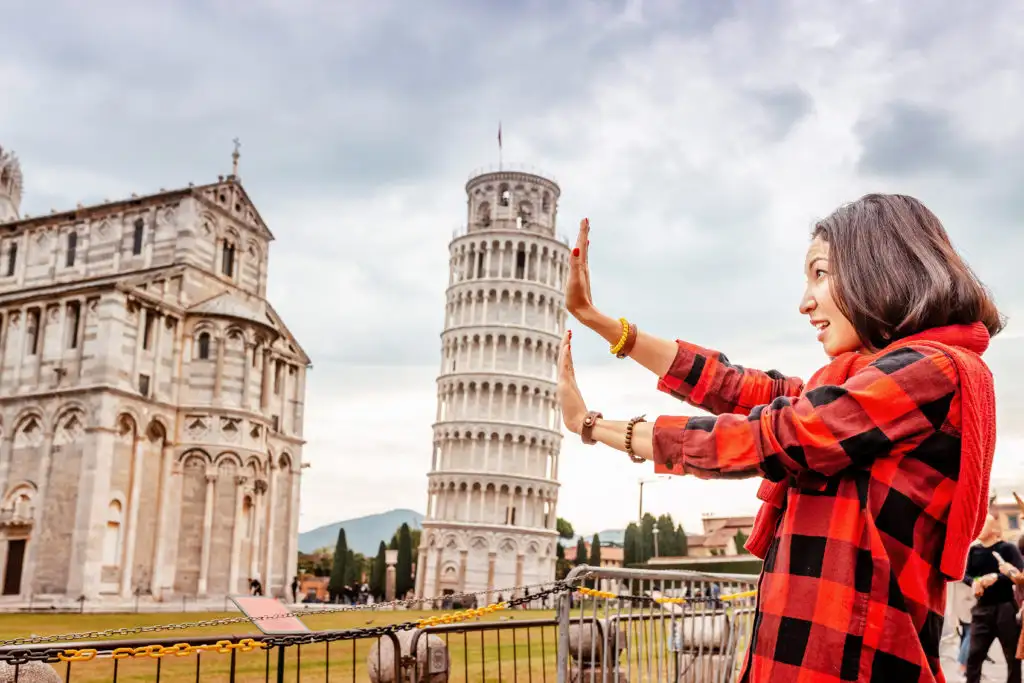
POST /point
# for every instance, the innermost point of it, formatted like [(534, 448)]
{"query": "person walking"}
[(961, 601)]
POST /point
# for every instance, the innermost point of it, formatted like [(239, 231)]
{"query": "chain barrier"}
[(15, 657), (227, 621), (54, 655), (661, 600)]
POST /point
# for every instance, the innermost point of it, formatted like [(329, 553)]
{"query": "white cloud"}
[(702, 139)]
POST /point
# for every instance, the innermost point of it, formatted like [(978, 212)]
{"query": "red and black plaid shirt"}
[(851, 588)]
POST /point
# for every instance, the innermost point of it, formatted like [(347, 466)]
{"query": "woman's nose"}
[(807, 304)]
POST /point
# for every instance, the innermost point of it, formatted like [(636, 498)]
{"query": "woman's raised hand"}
[(570, 400), (578, 300)]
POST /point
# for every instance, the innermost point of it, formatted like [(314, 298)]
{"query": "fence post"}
[(564, 612)]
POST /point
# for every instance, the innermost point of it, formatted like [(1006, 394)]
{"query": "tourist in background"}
[(961, 601), (875, 472), (990, 564)]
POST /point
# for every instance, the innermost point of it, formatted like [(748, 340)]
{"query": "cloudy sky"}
[(702, 138)]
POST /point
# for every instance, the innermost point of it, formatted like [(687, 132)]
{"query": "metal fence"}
[(610, 625), (649, 625)]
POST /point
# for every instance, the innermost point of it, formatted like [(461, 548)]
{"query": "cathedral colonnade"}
[(116, 510)]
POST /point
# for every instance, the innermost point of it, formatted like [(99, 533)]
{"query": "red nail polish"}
[(570, 335), (588, 243), (587, 222), (576, 251)]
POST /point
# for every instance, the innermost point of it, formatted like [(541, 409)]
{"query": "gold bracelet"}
[(622, 340), (629, 439), (627, 346)]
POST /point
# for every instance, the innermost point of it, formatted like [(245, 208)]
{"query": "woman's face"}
[(835, 332)]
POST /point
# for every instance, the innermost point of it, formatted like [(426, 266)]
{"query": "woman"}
[(875, 470)]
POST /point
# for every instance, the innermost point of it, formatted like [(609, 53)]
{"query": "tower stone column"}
[(493, 486)]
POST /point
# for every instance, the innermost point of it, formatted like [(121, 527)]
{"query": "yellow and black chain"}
[(662, 600), (227, 621), (21, 655)]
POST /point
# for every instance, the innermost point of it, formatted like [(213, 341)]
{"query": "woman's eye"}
[(818, 274)]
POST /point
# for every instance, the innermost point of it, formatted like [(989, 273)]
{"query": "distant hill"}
[(363, 534)]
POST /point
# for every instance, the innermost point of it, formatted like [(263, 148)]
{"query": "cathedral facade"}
[(151, 400)]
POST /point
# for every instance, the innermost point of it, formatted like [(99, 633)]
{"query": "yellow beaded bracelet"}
[(622, 340)]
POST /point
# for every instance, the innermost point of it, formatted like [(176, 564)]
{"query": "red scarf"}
[(964, 344)]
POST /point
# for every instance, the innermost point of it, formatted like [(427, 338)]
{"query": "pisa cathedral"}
[(151, 399), (493, 479)]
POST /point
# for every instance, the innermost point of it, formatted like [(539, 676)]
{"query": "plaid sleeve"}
[(707, 380), (903, 394)]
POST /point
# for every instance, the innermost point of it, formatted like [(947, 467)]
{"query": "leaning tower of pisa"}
[(493, 480)]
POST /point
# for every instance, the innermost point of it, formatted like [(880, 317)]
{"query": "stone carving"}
[(229, 428), (196, 427), (30, 433)]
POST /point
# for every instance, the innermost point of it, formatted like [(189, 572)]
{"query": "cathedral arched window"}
[(140, 227), (227, 259), (72, 248), (112, 535), (204, 346), (12, 258), (504, 195)]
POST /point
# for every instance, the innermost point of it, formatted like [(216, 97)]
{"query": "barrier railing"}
[(610, 625), (651, 625)]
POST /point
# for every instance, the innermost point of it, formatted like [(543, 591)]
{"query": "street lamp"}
[(651, 480), (655, 531)]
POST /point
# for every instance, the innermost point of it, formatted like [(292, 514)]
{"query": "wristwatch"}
[(588, 426)]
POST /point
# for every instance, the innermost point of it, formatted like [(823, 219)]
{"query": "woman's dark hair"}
[(895, 273)]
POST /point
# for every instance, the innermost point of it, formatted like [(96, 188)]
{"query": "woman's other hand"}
[(982, 583), (578, 300), (574, 409)]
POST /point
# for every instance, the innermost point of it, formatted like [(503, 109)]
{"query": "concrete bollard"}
[(29, 672), (594, 656), (432, 659)]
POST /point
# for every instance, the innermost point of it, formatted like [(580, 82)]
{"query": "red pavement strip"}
[(269, 615)]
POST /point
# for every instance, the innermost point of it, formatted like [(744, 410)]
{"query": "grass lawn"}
[(523, 654)]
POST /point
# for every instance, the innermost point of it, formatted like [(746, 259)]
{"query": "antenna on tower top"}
[(499, 145), (234, 157)]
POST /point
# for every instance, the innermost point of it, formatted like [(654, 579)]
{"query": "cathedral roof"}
[(208, 195), (228, 305)]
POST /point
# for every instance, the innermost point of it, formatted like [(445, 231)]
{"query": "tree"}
[(631, 545), (337, 582), (562, 565), (595, 551), (378, 573), (565, 529), (354, 569), (741, 539), (403, 567), (595, 558), (581, 552), (317, 563), (684, 545)]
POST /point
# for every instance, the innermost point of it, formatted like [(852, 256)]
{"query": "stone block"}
[(432, 659)]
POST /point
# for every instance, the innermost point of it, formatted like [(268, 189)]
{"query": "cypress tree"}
[(403, 567), (581, 551), (337, 581), (378, 573)]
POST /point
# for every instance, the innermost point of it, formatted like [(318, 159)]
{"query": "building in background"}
[(1005, 507), (151, 399), (493, 479), (723, 535)]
